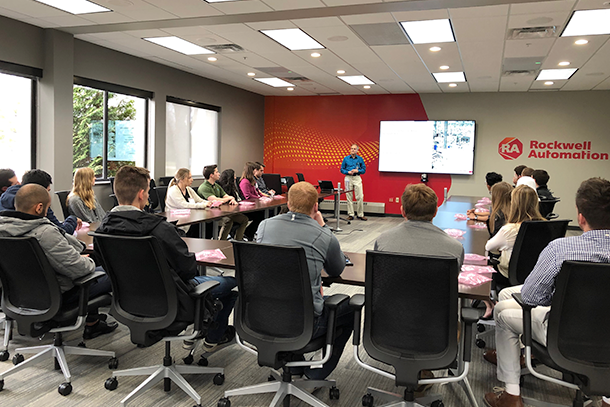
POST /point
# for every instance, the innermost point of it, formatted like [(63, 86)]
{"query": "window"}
[(192, 139), (109, 128), (18, 117)]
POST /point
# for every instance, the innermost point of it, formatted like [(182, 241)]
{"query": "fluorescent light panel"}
[(356, 80), (275, 82), (179, 45), (294, 39), (446, 77), (75, 6), (555, 74), (429, 31), (588, 22)]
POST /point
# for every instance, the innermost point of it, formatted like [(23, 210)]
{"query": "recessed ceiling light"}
[(549, 83), (212, 59), (356, 80), (563, 63), (555, 74), (293, 38), (588, 22), (425, 32), (75, 6), (444, 67), (445, 77), (179, 45), (290, 89), (340, 71), (367, 86), (275, 82), (452, 85), (251, 74), (435, 49), (581, 42), (315, 55)]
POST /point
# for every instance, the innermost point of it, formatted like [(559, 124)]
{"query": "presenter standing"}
[(352, 167)]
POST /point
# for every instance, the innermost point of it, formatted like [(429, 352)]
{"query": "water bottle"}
[(347, 185), (445, 193), (338, 186)]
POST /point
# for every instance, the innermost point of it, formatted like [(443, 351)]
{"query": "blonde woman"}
[(180, 195), (523, 207), (82, 202)]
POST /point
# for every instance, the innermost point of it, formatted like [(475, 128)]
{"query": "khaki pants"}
[(227, 224), (354, 182)]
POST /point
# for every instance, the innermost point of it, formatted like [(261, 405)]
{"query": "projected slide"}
[(442, 147)]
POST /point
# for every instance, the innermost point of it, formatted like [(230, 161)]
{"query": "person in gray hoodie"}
[(62, 250)]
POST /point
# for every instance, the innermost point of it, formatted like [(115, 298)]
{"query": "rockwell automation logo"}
[(510, 148)]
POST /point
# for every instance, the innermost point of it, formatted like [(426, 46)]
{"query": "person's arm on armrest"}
[(334, 264), (539, 286)]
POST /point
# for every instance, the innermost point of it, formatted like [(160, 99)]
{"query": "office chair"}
[(111, 179), (115, 201), (145, 297), (8, 330), (161, 195), (411, 323), (31, 297), (63, 201), (289, 183), (546, 207), (577, 332), (165, 181), (532, 238), (300, 177), (274, 314), (273, 181)]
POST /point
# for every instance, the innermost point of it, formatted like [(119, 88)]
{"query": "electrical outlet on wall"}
[(397, 199)]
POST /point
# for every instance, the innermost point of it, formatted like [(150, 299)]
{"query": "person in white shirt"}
[(180, 195), (526, 178)]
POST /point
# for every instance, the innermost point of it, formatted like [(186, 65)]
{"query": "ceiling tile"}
[(249, 59), (480, 29), (449, 55), (591, 4), (293, 4), (186, 8), (335, 38), (542, 7), (271, 25), (368, 18), (348, 2), (564, 49), (67, 20), (516, 83), (605, 85), (318, 22), (242, 7), (558, 19), (108, 18), (539, 85), (421, 15), (528, 48), (479, 12), (32, 9)]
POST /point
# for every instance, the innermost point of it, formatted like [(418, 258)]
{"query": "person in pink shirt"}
[(247, 184)]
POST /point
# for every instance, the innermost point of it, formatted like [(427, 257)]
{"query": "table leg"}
[(215, 229), (336, 199)]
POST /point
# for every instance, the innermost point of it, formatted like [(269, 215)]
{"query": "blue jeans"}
[(345, 322), (100, 287), (225, 294)]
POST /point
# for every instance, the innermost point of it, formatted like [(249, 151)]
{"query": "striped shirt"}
[(592, 246)]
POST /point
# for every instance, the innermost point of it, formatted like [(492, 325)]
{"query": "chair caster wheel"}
[(188, 360), (480, 343), (219, 379), (18, 358), (224, 402), (64, 389), (4, 355), (368, 400), (1, 385), (111, 383), (113, 363), (437, 403), (333, 393), (480, 328), (81, 344), (202, 361)]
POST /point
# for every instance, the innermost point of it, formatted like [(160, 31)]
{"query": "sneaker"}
[(188, 345), (362, 218), (226, 339), (100, 328), (350, 218)]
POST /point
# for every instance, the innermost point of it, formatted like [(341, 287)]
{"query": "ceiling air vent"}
[(530, 33), (224, 48), (296, 78), (519, 73)]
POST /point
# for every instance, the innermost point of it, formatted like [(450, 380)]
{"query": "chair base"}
[(397, 400), (283, 388), (538, 403)]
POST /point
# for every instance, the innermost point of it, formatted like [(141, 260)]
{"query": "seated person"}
[(42, 178), (303, 226), (542, 178), (62, 250), (131, 186), (228, 184), (180, 195), (593, 205), (212, 191), (491, 178), (526, 178), (82, 201), (247, 184), (260, 181), (517, 174), (7, 179)]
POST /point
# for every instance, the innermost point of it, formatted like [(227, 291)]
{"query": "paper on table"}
[(475, 259), (472, 279), (460, 216), (215, 254), (246, 203), (478, 225), (478, 269), (457, 233), (180, 212), (278, 196)]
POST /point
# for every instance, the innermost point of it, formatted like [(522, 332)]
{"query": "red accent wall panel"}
[(312, 134)]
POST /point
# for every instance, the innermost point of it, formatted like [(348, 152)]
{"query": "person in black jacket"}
[(131, 187), (542, 178)]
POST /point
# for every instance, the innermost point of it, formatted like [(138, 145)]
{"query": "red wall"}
[(312, 134)]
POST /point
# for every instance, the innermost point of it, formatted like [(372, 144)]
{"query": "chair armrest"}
[(83, 284), (203, 288), (332, 303), (89, 278), (527, 319), (335, 300), (469, 317), (356, 303)]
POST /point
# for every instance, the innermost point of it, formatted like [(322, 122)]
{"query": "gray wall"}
[(571, 117)]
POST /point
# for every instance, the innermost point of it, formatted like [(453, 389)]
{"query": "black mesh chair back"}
[(165, 181), (300, 177), (273, 181), (144, 295), (289, 183), (274, 311), (161, 195), (579, 324), (111, 179), (115, 201), (417, 328), (546, 206), (30, 290), (63, 201), (532, 238)]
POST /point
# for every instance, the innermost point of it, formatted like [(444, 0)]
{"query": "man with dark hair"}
[(518, 170), (542, 178), (62, 250), (131, 186), (304, 226), (42, 178), (260, 182), (526, 178), (417, 234), (492, 178), (212, 191), (593, 205), (7, 179)]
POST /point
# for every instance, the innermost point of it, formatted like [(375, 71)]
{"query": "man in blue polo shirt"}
[(352, 167)]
